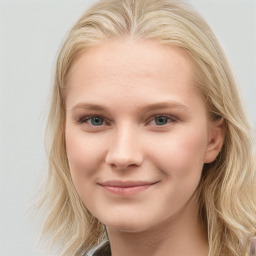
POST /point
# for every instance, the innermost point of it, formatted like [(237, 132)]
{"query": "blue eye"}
[(96, 121), (162, 120), (92, 120)]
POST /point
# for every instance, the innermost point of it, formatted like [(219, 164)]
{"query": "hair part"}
[(230, 223)]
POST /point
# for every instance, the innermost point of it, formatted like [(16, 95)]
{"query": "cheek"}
[(84, 155), (181, 154)]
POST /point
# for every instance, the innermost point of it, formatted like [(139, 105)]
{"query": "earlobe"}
[(216, 140)]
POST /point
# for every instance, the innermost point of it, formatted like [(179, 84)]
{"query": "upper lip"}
[(126, 184)]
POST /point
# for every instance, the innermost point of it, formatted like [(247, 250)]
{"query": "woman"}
[(149, 147)]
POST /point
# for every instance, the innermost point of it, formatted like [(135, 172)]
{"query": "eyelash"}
[(170, 119), (85, 119)]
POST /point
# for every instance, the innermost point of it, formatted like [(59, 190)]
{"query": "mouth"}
[(126, 188)]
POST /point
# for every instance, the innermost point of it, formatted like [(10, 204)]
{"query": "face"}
[(137, 133)]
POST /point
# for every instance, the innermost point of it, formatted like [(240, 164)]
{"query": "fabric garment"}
[(102, 250)]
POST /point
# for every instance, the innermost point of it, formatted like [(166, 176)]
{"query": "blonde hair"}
[(226, 194)]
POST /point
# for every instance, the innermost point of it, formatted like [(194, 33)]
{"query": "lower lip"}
[(125, 191)]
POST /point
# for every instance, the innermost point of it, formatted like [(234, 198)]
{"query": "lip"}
[(126, 188)]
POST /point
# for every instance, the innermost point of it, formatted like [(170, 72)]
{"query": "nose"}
[(124, 149)]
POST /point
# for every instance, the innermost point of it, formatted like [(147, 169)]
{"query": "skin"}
[(133, 114)]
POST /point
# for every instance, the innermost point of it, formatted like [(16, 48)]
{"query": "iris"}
[(161, 120), (96, 121)]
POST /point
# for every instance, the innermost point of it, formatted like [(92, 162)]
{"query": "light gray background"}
[(30, 35)]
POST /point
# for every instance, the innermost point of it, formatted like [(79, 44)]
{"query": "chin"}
[(129, 224)]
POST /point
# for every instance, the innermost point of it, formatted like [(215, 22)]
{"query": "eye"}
[(161, 120), (92, 120)]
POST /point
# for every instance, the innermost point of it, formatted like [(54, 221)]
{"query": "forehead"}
[(109, 57), (130, 69)]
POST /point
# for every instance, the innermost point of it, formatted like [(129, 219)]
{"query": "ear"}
[(215, 141)]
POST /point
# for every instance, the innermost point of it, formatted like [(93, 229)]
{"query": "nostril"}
[(122, 162), (124, 166)]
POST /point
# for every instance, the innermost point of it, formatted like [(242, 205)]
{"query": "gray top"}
[(102, 249)]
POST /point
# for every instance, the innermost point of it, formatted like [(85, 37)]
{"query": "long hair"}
[(227, 189)]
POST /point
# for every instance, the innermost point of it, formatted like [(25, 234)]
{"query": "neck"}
[(181, 235)]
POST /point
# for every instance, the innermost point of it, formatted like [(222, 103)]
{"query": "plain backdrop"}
[(31, 33)]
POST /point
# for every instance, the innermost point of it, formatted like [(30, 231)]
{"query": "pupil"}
[(161, 120), (97, 121)]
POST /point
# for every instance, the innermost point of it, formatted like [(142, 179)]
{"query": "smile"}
[(126, 188)]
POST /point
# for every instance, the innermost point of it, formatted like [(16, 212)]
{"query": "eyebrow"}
[(150, 107)]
